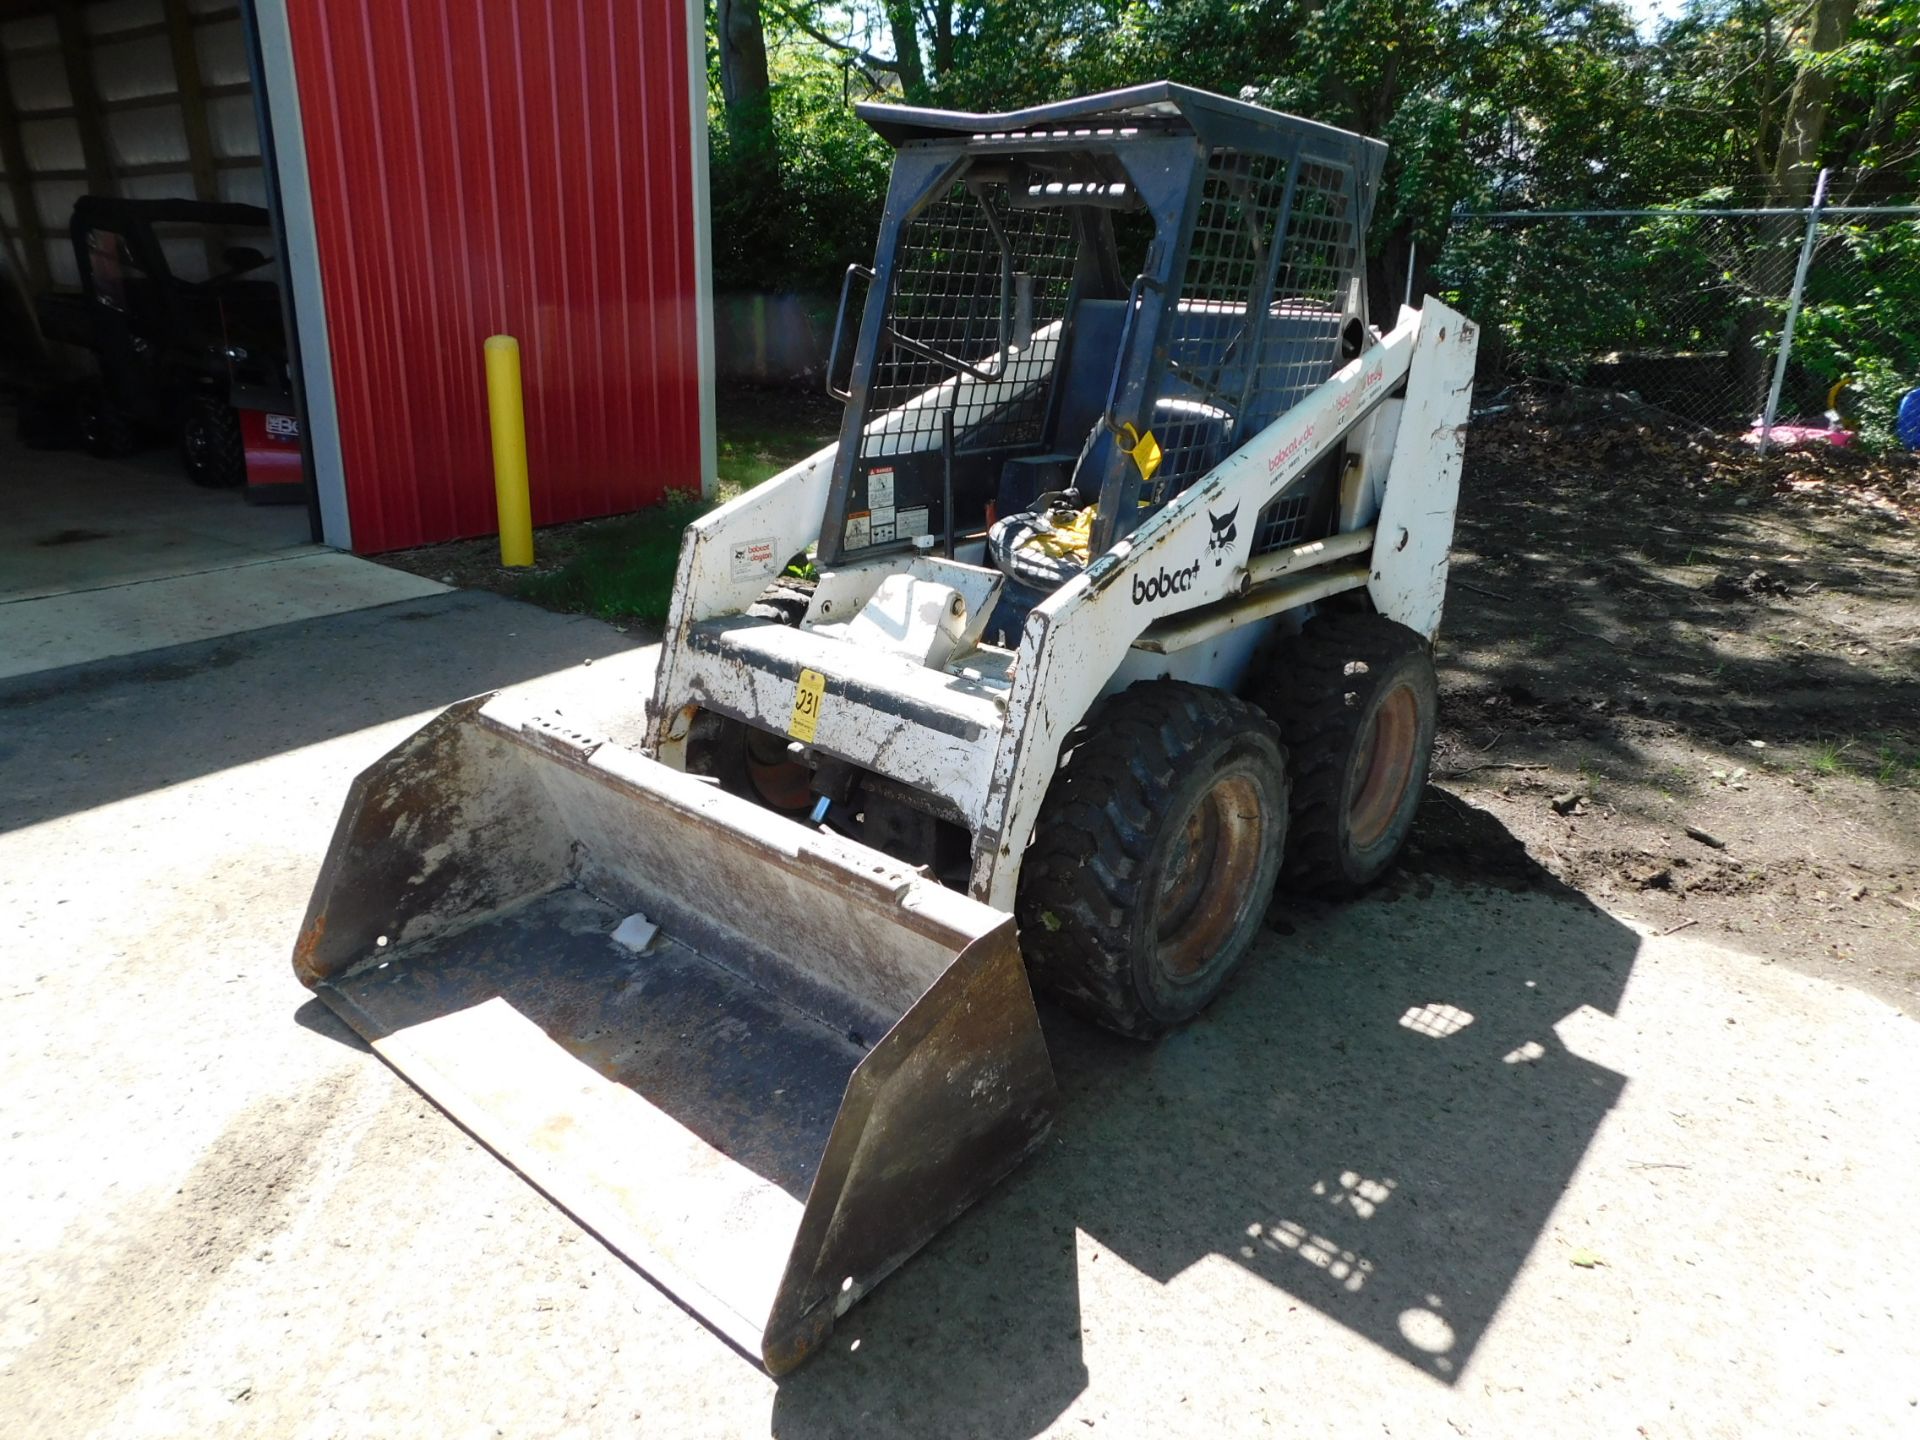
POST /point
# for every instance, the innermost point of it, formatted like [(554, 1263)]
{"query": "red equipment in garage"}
[(272, 443)]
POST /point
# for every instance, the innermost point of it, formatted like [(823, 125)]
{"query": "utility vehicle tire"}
[(1354, 696), (748, 763), (1155, 856), (105, 429), (211, 445)]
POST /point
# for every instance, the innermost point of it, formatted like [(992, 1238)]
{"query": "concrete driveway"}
[(105, 558), (1458, 1161)]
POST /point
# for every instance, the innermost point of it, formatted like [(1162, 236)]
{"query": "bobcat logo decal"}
[(1225, 532)]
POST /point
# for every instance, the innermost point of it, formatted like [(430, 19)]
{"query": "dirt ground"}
[(1688, 681)]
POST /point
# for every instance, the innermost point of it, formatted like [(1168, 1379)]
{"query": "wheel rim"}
[(1207, 883), (781, 783), (1386, 767)]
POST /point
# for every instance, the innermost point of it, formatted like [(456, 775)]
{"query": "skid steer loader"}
[(1111, 604)]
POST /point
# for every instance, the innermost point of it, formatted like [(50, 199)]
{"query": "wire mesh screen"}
[(1213, 336), (980, 289), (1282, 522), (1318, 258), (1683, 309), (1260, 309)]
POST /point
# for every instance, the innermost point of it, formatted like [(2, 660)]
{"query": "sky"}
[(1648, 14)]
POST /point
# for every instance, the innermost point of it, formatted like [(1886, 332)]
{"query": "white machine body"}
[(907, 688)]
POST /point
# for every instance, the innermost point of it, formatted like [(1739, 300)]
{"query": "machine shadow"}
[(88, 735), (314, 1015), (1378, 1120)]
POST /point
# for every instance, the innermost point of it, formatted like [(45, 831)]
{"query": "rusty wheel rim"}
[(1207, 881), (1386, 767), (781, 784)]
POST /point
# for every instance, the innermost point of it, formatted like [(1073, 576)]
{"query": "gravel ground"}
[(1462, 1158)]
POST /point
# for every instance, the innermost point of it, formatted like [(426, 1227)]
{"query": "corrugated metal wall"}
[(527, 168)]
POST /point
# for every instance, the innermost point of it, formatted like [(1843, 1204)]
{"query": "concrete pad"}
[(71, 521), (1463, 1162), (53, 631)]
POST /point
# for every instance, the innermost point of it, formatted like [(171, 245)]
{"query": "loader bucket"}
[(819, 1060)]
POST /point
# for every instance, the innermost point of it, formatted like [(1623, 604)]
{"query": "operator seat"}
[(1193, 434)]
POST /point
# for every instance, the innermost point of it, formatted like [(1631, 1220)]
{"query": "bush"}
[(800, 229)]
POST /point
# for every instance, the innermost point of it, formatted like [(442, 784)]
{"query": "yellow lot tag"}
[(806, 705), (1144, 449)]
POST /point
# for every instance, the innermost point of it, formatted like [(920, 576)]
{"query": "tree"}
[(1804, 124), (745, 88)]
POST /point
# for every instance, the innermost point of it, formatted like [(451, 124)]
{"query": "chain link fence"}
[(1685, 308), (1859, 320)]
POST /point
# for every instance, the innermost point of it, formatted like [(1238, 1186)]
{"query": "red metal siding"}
[(522, 168)]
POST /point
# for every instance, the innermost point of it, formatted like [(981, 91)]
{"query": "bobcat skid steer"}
[(1110, 607)]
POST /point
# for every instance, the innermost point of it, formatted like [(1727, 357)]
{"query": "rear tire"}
[(1356, 699), (211, 445), (1155, 856)]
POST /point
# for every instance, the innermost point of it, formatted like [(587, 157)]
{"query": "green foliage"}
[(800, 228), (1861, 322), (624, 570), (1560, 292), (836, 168), (1506, 104)]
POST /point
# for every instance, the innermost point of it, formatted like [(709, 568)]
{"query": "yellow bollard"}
[(509, 424)]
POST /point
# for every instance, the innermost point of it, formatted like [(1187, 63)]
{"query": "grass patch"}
[(1889, 761), (1895, 763), (623, 569), (1829, 757), (750, 449)]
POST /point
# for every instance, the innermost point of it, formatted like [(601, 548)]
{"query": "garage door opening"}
[(429, 175), (152, 416)]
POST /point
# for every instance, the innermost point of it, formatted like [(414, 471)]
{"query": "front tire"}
[(1356, 699), (211, 445), (1155, 856), (749, 763)]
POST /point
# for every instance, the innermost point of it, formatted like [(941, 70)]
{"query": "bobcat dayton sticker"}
[(754, 558)]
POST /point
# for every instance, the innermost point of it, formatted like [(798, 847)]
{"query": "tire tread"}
[(1316, 702), (1096, 833)]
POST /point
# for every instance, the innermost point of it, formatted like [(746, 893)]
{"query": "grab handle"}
[(839, 324)]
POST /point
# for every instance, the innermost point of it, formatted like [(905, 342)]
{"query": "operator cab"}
[(1075, 313)]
